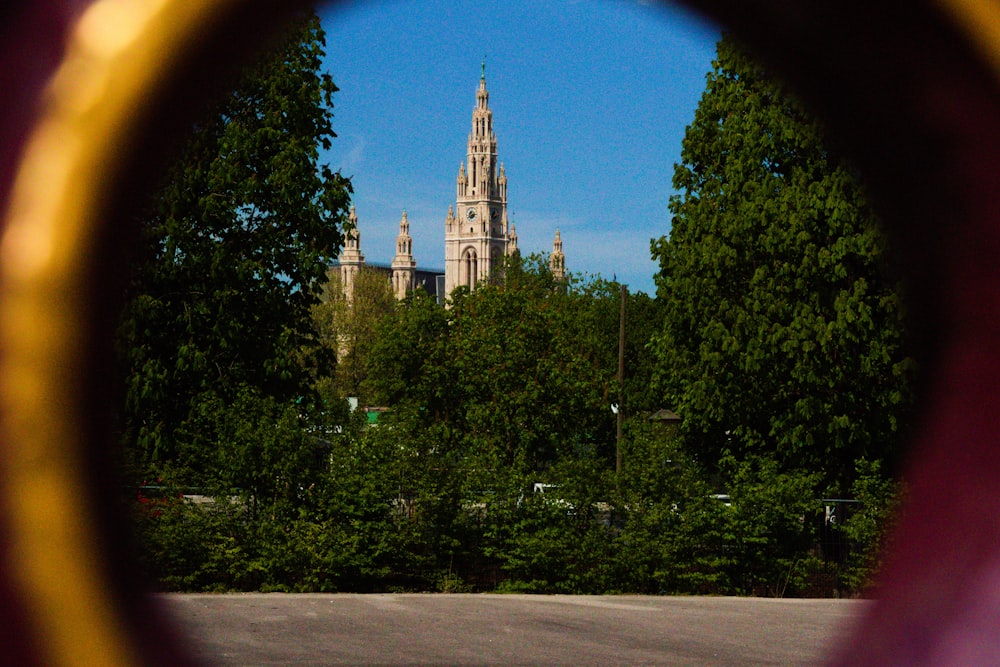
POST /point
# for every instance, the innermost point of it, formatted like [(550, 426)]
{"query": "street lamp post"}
[(621, 382)]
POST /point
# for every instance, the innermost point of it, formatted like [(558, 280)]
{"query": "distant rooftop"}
[(665, 416)]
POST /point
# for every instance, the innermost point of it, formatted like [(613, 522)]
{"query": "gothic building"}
[(557, 260), (351, 260), (478, 234), (403, 273), (404, 267)]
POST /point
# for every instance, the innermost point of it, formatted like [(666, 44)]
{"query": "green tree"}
[(768, 527), (870, 524), (233, 255), (346, 326), (408, 363), (532, 382), (558, 540), (510, 386), (666, 542), (783, 334), (595, 327)]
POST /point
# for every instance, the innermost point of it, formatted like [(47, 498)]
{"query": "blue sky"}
[(590, 101)]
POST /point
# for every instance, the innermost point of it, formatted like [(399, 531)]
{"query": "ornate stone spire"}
[(351, 260), (404, 267), (352, 238), (404, 242), (476, 229), (557, 260), (461, 182), (482, 150)]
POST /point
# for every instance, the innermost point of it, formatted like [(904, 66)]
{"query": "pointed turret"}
[(352, 238), (557, 260), (449, 221), (351, 260), (461, 182), (502, 183), (482, 153), (404, 267), (404, 242)]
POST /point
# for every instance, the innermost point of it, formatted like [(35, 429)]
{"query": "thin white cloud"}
[(355, 156)]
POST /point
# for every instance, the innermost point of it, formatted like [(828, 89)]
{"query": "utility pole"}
[(621, 382)]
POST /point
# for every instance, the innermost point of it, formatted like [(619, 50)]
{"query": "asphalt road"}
[(277, 629)]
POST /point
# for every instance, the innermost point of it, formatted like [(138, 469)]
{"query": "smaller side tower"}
[(404, 267), (351, 259), (557, 260)]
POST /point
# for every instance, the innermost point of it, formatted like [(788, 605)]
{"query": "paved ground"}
[(275, 629)]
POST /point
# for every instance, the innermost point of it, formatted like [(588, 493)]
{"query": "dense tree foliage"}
[(782, 335), (485, 474), (233, 255), (492, 462), (493, 467), (346, 326)]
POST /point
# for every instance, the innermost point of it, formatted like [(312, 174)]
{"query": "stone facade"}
[(478, 234), (557, 260), (404, 267), (351, 260)]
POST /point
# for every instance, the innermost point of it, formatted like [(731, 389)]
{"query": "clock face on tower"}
[(494, 214), (470, 214)]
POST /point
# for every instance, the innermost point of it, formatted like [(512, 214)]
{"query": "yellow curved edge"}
[(119, 52), (980, 20)]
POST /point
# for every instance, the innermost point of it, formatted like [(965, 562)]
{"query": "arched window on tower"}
[(470, 268)]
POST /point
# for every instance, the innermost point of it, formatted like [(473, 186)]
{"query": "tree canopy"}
[(776, 335), (346, 326), (234, 250), (783, 333)]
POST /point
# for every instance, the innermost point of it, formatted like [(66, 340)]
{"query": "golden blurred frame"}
[(120, 53)]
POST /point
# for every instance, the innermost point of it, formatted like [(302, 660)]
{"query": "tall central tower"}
[(476, 233)]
